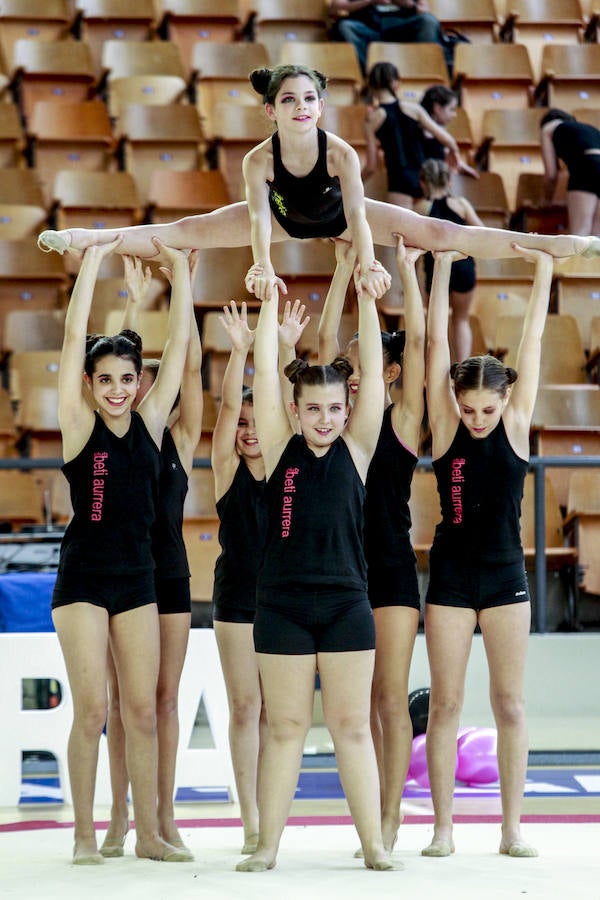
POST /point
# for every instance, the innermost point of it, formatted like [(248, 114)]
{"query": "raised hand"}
[(137, 278), (375, 280), (235, 324), (292, 324)]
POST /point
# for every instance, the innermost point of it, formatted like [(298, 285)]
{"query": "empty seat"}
[(580, 298), (19, 220), (476, 19), (188, 22), (425, 513), (159, 138), (200, 498), (111, 293), (142, 72), (487, 196), (511, 145), (348, 122), (34, 329), (563, 357), (150, 324), (43, 20), (220, 278), (533, 212), (279, 21), (119, 20), (536, 23), (307, 268), (583, 520), (492, 76), (237, 130), (96, 199), (201, 540), (221, 76), (8, 431), (79, 139), (173, 195), (570, 76), (20, 499), (32, 368), (58, 71), (338, 61), (419, 65), (12, 138), (37, 418)]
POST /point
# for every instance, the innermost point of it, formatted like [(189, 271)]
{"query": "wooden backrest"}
[(22, 186), (201, 540), (40, 329), (338, 60), (553, 515), (98, 190), (20, 498), (199, 191), (151, 325), (72, 58), (580, 298), (126, 58), (221, 274), (85, 121), (579, 62), (563, 357), (32, 367), (584, 491), (171, 123), (228, 61), (513, 127), (19, 220), (424, 62), (200, 498), (567, 407), (425, 512), (477, 19)]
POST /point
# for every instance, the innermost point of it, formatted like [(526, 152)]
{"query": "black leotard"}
[(167, 538), (462, 274), (401, 140)]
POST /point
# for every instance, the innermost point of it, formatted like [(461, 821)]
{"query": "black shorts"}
[(405, 181), (313, 621), (463, 276), (394, 586), (477, 587), (173, 595), (114, 593), (227, 612), (586, 177)]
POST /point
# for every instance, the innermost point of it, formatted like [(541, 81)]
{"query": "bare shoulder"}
[(414, 110), (340, 154), (259, 156)]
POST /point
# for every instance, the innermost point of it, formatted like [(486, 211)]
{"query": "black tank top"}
[(571, 139), (311, 206), (242, 512), (114, 486), (401, 139), (168, 546), (387, 516), (315, 533), (480, 483)]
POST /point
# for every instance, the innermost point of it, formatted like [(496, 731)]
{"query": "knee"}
[(245, 711), (428, 29), (91, 720), (286, 729), (509, 709), (166, 703), (140, 716), (444, 709), (349, 727), (392, 708)]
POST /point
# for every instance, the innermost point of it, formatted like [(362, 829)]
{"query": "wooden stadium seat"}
[(21, 499), (173, 195), (566, 422), (537, 23), (503, 287), (563, 357), (425, 513), (167, 138), (96, 199), (580, 298), (8, 432), (492, 76), (511, 145), (29, 279), (220, 278), (419, 65), (221, 76), (37, 418), (570, 76), (18, 220), (588, 114), (43, 20), (111, 293), (200, 498), (58, 71), (348, 122), (308, 345), (151, 325), (12, 137), (487, 195), (79, 139), (306, 267), (338, 61), (210, 410), (476, 19), (533, 212), (34, 329), (583, 521), (189, 22), (21, 187), (32, 368), (61, 509), (105, 20), (237, 129), (279, 21), (201, 540), (142, 72), (460, 129)]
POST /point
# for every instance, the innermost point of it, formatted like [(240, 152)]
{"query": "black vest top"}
[(480, 483), (571, 139), (168, 546), (315, 533), (310, 206), (242, 512), (114, 486), (401, 139), (387, 516)]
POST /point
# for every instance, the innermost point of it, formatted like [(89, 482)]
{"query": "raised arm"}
[(331, 316), (407, 416), (74, 414), (272, 423), (137, 279), (261, 278), (442, 408), (549, 159), (156, 406), (519, 411), (364, 424), (224, 458)]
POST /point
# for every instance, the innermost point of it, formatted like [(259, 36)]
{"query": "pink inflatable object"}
[(418, 762), (477, 756)]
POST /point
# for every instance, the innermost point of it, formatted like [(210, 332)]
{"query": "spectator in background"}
[(440, 103), (401, 21)]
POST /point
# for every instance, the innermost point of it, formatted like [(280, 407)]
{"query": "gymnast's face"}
[(114, 384), (443, 114), (322, 412), (481, 410), (297, 104), (246, 442)]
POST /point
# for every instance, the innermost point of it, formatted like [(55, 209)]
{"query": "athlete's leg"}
[(288, 686), (449, 634), (430, 233), (581, 209), (174, 634), (346, 691), (396, 629), (82, 630), (461, 336), (505, 631), (242, 681), (119, 777)]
